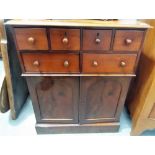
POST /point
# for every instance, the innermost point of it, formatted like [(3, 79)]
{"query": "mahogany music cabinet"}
[(78, 71)]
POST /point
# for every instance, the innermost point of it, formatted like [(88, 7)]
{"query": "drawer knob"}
[(66, 63), (122, 64), (36, 63), (128, 41), (97, 40), (31, 40), (65, 40), (95, 63)]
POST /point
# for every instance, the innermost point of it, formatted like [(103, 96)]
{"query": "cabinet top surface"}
[(80, 23)]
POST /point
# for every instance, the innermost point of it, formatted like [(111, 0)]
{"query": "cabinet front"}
[(56, 97), (101, 98), (78, 76)]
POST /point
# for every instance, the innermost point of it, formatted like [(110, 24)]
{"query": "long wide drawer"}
[(50, 63), (109, 63)]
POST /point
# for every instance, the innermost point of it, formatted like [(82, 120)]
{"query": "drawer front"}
[(65, 39), (108, 63), (127, 40), (96, 39), (31, 39), (50, 63)]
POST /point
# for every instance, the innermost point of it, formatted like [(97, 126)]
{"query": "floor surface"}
[(25, 124)]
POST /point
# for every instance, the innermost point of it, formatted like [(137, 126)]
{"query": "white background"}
[(79, 9)]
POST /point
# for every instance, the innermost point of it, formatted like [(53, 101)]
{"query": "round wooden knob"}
[(97, 40), (65, 40), (36, 63), (128, 41), (95, 63), (31, 40), (66, 63), (122, 64)]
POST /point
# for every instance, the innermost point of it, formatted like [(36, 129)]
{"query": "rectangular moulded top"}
[(80, 23)]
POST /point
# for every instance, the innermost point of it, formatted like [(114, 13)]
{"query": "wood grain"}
[(77, 74), (38, 34), (81, 23), (15, 83), (152, 113), (141, 97), (65, 82), (4, 100), (57, 98), (102, 98), (120, 44), (108, 63), (58, 34), (76, 128), (50, 63), (90, 36)]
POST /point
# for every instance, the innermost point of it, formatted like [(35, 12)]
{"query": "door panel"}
[(100, 98), (57, 98)]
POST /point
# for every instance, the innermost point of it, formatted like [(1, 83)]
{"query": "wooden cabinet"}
[(152, 113), (141, 99), (79, 82)]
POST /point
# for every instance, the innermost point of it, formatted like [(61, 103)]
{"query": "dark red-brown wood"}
[(90, 101), (57, 98), (65, 39), (128, 40), (101, 98), (50, 63), (108, 63), (31, 39), (96, 39)]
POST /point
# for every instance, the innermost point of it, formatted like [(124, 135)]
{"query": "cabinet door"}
[(55, 99), (102, 98)]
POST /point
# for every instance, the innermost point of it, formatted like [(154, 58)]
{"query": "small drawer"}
[(109, 63), (50, 63), (96, 39), (65, 39), (127, 40), (31, 39)]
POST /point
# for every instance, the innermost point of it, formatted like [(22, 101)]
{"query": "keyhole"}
[(65, 34), (98, 34)]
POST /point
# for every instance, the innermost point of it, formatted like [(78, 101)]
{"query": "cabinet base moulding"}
[(77, 128)]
